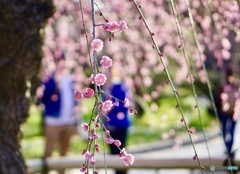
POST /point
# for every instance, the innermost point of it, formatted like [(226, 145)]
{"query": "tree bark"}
[(20, 59)]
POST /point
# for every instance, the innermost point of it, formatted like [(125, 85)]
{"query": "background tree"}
[(216, 24), (21, 24)]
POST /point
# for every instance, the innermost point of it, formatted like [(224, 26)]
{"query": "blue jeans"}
[(120, 134), (228, 126)]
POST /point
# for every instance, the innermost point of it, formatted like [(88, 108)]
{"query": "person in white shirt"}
[(58, 101)]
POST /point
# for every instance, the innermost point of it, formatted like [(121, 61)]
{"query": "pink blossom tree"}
[(216, 24)]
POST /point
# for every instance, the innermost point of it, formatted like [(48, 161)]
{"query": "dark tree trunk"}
[(20, 58)]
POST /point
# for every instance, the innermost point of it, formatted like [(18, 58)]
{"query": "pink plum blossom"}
[(123, 153), (107, 105), (89, 93), (122, 26), (100, 79), (94, 135), (128, 159), (113, 26), (92, 160), (106, 26), (83, 152), (131, 111), (107, 132), (126, 102), (88, 155), (83, 169), (85, 126), (108, 140), (77, 95), (191, 131), (117, 143), (97, 44), (106, 62), (116, 103), (97, 148)]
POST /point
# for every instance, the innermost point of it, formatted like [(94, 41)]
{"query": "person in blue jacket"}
[(58, 101), (119, 122)]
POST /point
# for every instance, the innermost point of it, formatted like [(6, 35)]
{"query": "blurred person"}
[(119, 122), (227, 94), (58, 114)]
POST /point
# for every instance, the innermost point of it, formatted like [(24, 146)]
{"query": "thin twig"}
[(85, 32), (101, 12)]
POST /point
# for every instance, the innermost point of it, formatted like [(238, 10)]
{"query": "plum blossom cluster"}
[(223, 16), (99, 79), (114, 26), (127, 158), (131, 111), (93, 136), (108, 104), (106, 62), (78, 95)]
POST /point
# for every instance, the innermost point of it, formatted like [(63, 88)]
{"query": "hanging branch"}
[(186, 56), (204, 68), (176, 93), (100, 107)]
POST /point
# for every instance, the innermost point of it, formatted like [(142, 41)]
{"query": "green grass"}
[(33, 126), (148, 128)]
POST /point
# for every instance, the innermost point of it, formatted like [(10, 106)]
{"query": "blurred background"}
[(217, 28)]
